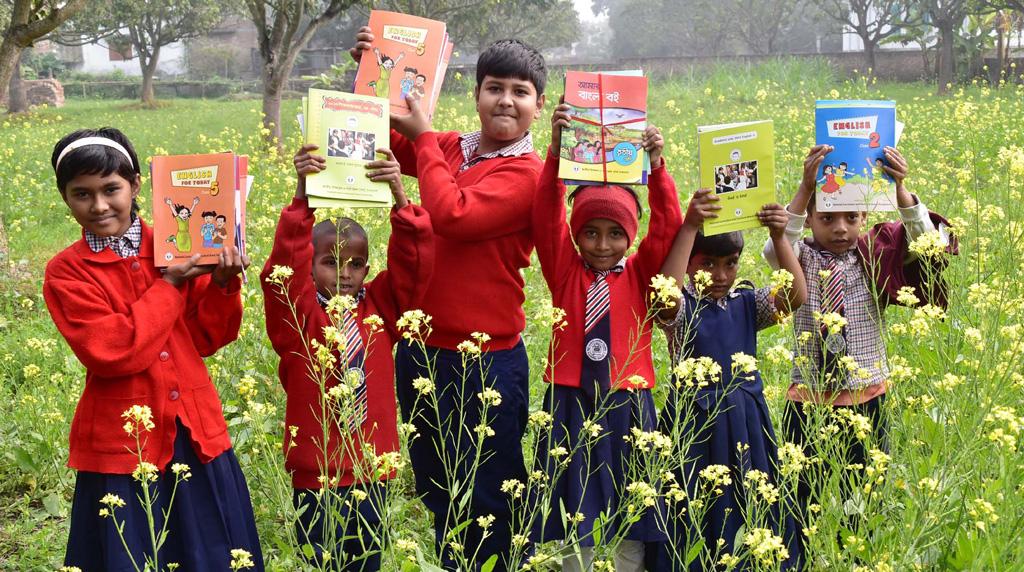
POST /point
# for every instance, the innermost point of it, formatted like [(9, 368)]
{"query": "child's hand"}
[(306, 164), (364, 37), (178, 274), (168, 201), (775, 217), (388, 170), (895, 166), (654, 144), (231, 264), (413, 125), (814, 159), (560, 118), (703, 205)]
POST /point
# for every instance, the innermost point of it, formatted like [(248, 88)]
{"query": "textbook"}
[(737, 161), (348, 129), (851, 178), (409, 56), (198, 206), (608, 119)]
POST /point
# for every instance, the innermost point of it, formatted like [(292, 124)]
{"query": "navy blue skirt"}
[(742, 417), (354, 544), (596, 475), (211, 515)]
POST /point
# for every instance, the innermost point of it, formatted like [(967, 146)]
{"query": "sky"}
[(584, 11)]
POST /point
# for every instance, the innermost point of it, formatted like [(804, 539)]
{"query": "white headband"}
[(92, 141)]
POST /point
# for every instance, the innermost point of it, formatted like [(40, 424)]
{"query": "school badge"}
[(596, 349), (835, 343)]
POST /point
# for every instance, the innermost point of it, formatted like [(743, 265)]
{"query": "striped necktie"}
[(598, 300), (833, 301), (354, 366)]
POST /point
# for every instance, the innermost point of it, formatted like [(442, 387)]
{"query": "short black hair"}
[(211, 213), (725, 244), (411, 69), (843, 164), (220, 216), (422, 76), (340, 228), (512, 58), (95, 159), (632, 192)]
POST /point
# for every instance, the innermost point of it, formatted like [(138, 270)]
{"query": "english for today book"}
[(737, 161), (851, 178)]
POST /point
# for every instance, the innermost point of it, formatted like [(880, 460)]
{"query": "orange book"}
[(194, 206), (409, 56)]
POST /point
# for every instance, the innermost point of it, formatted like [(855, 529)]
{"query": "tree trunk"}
[(10, 55), (17, 99), (273, 88), (869, 56), (947, 65), (148, 66)]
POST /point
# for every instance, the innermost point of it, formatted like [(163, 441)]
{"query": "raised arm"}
[(410, 265), (774, 217), (797, 208), (666, 216), (555, 249), (703, 205)]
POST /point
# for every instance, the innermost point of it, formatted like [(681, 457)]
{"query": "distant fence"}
[(894, 65)]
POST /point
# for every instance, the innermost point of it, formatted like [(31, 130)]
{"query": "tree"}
[(874, 21), (23, 23), (947, 17), (283, 28), (519, 19), (764, 24), (141, 28)]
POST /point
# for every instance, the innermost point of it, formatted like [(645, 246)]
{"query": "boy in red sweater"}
[(329, 261), (478, 188)]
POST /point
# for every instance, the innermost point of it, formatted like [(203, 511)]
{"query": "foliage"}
[(949, 497)]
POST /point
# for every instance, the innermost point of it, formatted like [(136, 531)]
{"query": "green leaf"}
[(54, 504), (490, 564), (25, 461), (693, 552)]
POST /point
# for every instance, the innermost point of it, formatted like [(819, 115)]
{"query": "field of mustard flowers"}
[(948, 496)]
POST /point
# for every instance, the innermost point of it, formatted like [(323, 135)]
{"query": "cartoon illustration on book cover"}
[(382, 85), (851, 177), (182, 240)]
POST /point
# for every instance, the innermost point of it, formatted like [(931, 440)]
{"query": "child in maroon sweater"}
[(329, 260), (478, 188), (142, 334)]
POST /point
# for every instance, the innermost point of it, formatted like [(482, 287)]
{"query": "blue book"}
[(851, 178)]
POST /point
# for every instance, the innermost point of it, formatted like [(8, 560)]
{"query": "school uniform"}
[(721, 416), (397, 288), (142, 341), (592, 358), (868, 278), (480, 205)]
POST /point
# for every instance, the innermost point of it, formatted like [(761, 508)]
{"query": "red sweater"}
[(568, 279), (481, 218), (394, 290), (141, 341)]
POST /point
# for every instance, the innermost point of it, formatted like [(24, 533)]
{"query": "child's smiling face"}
[(340, 264), (101, 205), (602, 243), (208, 219), (506, 107)]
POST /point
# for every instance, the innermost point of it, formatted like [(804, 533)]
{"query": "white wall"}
[(96, 59)]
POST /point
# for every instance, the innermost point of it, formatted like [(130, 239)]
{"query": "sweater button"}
[(136, 265), (174, 395), (164, 356)]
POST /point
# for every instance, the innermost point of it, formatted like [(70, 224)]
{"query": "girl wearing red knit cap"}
[(599, 362)]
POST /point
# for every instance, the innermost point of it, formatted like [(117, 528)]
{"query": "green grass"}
[(966, 161)]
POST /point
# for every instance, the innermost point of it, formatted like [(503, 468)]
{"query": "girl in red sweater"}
[(141, 335), (602, 370)]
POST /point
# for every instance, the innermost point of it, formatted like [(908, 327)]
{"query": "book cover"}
[(408, 56), (737, 161), (609, 116), (348, 128), (193, 206), (851, 178)]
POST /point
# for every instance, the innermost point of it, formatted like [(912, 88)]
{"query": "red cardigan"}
[(394, 290), (568, 279), (481, 218), (141, 341)]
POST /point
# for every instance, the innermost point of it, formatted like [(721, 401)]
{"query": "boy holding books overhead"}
[(852, 274), (330, 431), (478, 188)]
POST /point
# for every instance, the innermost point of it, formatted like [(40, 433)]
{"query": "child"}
[(478, 188), (142, 336), (331, 259), (608, 341), (382, 87), (718, 321), (182, 214), (207, 229), (864, 273)]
